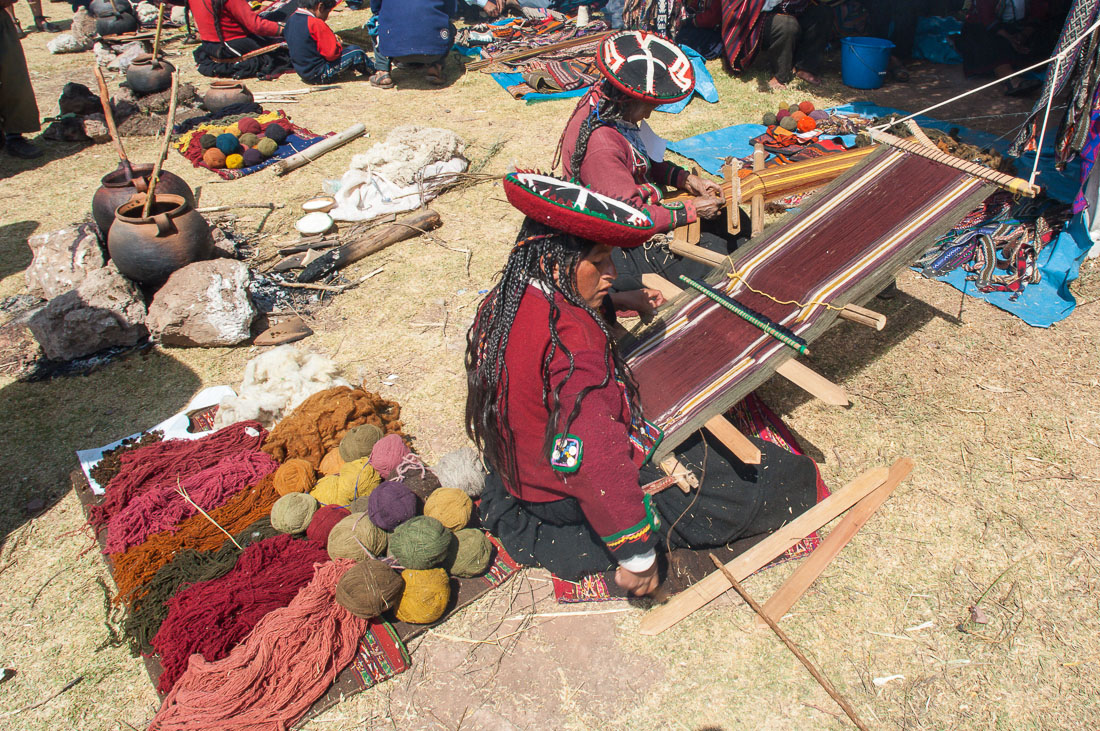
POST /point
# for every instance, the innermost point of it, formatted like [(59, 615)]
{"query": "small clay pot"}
[(96, 7), (115, 189), (146, 76), (111, 23), (148, 250), (223, 93)]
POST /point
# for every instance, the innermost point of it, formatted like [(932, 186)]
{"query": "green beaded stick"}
[(777, 331)]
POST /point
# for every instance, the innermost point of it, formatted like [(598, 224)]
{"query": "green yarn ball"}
[(469, 554), (788, 124), (207, 141), (291, 513), (267, 146), (420, 543), (769, 119), (359, 441), (352, 535), (249, 140)]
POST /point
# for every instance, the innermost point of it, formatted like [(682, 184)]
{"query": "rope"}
[(736, 276), (1043, 130)]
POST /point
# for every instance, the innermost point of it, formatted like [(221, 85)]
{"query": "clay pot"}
[(148, 77), (111, 23), (224, 92), (115, 189), (96, 7), (147, 250)]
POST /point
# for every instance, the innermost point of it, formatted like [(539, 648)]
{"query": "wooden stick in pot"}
[(164, 145), (105, 100), (156, 38)]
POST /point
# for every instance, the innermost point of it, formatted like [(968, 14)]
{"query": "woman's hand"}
[(708, 206), (641, 584), (644, 301), (697, 185)]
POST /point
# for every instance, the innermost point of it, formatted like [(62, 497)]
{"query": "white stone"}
[(62, 260), (204, 304)]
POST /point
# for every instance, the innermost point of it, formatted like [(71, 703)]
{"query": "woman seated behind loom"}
[(542, 362), (606, 146), (230, 29)]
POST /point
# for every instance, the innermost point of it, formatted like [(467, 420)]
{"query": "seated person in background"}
[(230, 29), (316, 52), (413, 32), (794, 36), (604, 148), (1001, 36), (496, 8), (542, 362)]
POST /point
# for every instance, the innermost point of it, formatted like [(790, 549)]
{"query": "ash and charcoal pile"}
[(80, 113)]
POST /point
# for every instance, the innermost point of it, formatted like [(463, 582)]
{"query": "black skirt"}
[(208, 57)]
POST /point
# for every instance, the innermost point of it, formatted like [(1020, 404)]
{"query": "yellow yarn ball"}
[(234, 162), (425, 597), (450, 506), (234, 130), (357, 479), (331, 462), (327, 491)]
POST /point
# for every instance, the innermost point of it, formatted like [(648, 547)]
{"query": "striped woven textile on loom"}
[(698, 359)]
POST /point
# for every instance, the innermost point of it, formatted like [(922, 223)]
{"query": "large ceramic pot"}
[(147, 250), (223, 93), (148, 77), (95, 7), (115, 189), (111, 23)]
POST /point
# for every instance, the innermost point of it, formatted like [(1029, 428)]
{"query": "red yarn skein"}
[(323, 521)]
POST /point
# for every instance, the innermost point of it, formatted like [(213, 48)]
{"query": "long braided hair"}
[(608, 111), (548, 258)]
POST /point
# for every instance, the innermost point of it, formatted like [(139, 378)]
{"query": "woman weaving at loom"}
[(607, 146), (555, 412), (229, 30)]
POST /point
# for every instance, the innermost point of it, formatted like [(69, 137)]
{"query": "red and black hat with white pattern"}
[(646, 66), (577, 210)]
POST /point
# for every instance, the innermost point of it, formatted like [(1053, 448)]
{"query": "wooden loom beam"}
[(863, 316)]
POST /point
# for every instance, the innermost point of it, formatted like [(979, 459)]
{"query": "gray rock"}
[(178, 14), (104, 311), (83, 29), (62, 260), (204, 304), (126, 55), (224, 247), (146, 13)]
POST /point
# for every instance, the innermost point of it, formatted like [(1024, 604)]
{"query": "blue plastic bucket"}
[(863, 61)]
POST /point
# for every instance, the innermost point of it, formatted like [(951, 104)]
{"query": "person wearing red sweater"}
[(316, 52), (553, 408), (230, 29)]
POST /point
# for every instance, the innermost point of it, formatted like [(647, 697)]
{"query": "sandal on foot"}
[(382, 80), (434, 74)]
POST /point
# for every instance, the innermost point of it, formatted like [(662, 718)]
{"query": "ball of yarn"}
[(806, 107), (324, 520), (806, 124), (252, 157), (390, 504), (353, 536), (420, 542), (369, 588), (228, 143), (469, 554), (234, 130), (274, 131), (267, 146), (461, 469), (450, 506), (425, 597), (359, 441), (214, 158), (359, 504), (207, 141), (782, 113), (796, 116), (387, 453), (819, 115), (327, 491), (248, 125), (788, 124), (292, 513), (331, 462), (357, 479), (422, 485), (295, 475), (792, 108), (769, 119), (247, 139), (234, 161)]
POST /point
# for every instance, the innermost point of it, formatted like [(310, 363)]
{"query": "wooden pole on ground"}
[(313, 152), (155, 177), (821, 679), (812, 382), (375, 240)]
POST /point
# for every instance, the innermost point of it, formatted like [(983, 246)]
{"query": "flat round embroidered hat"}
[(646, 66), (576, 210)]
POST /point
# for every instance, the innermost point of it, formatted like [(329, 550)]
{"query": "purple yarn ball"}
[(819, 115), (390, 504)]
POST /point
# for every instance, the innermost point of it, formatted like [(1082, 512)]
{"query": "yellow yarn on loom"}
[(736, 276), (450, 506), (425, 597)]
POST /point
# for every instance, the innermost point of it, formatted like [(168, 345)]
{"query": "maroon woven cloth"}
[(741, 31)]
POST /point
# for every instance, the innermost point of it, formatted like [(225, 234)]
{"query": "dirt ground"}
[(1002, 420)]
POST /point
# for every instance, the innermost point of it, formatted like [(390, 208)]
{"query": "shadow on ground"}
[(15, 255)]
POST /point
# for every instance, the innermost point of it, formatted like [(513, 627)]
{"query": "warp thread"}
[(420, 543), (160, 464), (369, 588), (293, 513), (211, 617), (461, 469), (163, 508), (295, 475), (272, 678), (388, 453), (359, 441), (319, 422), (355, 537), (469, 555), (134, 568), (324, 520), (425, 597), (450, 506)]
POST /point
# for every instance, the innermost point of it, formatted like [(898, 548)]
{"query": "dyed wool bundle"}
[(160, 464), (319, 422), (293, 513), (361, 504), (211, 617), (355, 537), (271, 679), (450, 506), (295, 475), (331, 462), (369, 588), (135, 567), (390, 504), (461, 469), (359, 441), (324, 520), (422, 485), (358, 479), (389, 453), (163, 508), (425, 597), (327, 490), (188, 567), (420, 543), (248, 125), (469, 555)]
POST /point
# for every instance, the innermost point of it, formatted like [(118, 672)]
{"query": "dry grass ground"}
[(1003, 421)]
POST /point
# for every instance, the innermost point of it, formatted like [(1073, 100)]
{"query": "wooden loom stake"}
[(821, 679), (863, 316), (797, 583), (685, 478), (813, 382), (756, 207), (155, 177), (731, 191), (734, 440)]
